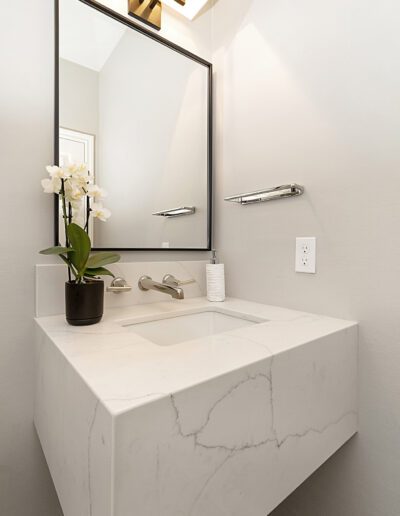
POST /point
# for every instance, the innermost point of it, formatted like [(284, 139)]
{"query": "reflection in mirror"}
[(137, 113)]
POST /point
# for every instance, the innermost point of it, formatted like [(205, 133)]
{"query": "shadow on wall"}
[(319, 485)]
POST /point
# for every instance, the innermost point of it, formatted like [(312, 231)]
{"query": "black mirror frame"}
[(156, 37)]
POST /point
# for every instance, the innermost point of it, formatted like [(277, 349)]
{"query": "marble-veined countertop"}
[(124, 370)]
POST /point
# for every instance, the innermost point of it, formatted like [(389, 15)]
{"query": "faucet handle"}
[(118, 286), (169, 279)]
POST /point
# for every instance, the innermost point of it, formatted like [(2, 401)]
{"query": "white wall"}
[(309, 91), (152, 146), (26, 225), (26, 125), (79, 98)]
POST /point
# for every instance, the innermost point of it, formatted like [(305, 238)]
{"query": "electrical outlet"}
[(306, 251)]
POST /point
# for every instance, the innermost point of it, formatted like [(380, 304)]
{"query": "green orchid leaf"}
[(101, 259), (100, 271), (81, 245), (56, 250), (69, 264)]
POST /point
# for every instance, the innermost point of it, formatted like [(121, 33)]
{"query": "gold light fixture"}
[(148, 11)]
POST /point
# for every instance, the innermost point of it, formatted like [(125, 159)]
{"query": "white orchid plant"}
[(80, 199)]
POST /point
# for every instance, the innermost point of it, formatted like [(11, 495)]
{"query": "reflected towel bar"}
[(176, 212), (270, 194)]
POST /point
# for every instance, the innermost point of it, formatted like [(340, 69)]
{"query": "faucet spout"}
[(146, 283)]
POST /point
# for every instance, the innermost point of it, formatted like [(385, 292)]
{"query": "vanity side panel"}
[(75, 432), (315, 397), (241, 443)]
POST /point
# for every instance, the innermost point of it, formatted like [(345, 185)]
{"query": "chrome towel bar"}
[(176, 212), (270, 194)]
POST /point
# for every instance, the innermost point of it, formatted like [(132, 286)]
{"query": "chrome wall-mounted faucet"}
[(170, 285)]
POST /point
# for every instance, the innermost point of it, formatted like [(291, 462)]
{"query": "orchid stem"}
[(64, 208), (88, 210)]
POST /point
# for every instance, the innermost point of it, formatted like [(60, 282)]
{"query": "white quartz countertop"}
[(125, 370)]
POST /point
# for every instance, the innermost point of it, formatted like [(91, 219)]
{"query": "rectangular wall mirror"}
[(137, 109)]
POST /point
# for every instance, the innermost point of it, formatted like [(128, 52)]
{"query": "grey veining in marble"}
[(225, 425)]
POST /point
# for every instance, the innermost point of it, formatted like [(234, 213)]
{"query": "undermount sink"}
[(180, 328)]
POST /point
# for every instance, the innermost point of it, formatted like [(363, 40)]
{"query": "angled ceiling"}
[(87, 37), (190, 10)]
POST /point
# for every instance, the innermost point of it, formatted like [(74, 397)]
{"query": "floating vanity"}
[(190, 408)]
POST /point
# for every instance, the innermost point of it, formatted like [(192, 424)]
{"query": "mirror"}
[(137, 110)]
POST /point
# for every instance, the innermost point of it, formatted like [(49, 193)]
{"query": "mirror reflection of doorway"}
[(76, 147)]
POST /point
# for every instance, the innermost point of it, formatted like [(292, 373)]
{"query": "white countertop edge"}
[(59, 332)]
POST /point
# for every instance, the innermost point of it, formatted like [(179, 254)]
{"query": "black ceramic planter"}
[(84, 302)]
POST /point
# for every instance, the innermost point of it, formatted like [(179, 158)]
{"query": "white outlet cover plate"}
[(306, 255)]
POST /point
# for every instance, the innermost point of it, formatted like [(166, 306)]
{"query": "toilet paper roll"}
[(215, 282)]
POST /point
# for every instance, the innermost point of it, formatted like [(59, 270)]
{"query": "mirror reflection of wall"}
[(138, 112)]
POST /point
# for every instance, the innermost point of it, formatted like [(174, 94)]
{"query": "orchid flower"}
[(58, 172), (52, 185), (99, 212), (96, 193), (72, 184), (77, 170), (72, 192)]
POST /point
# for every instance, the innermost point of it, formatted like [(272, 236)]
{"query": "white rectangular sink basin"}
[(184, 327)]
